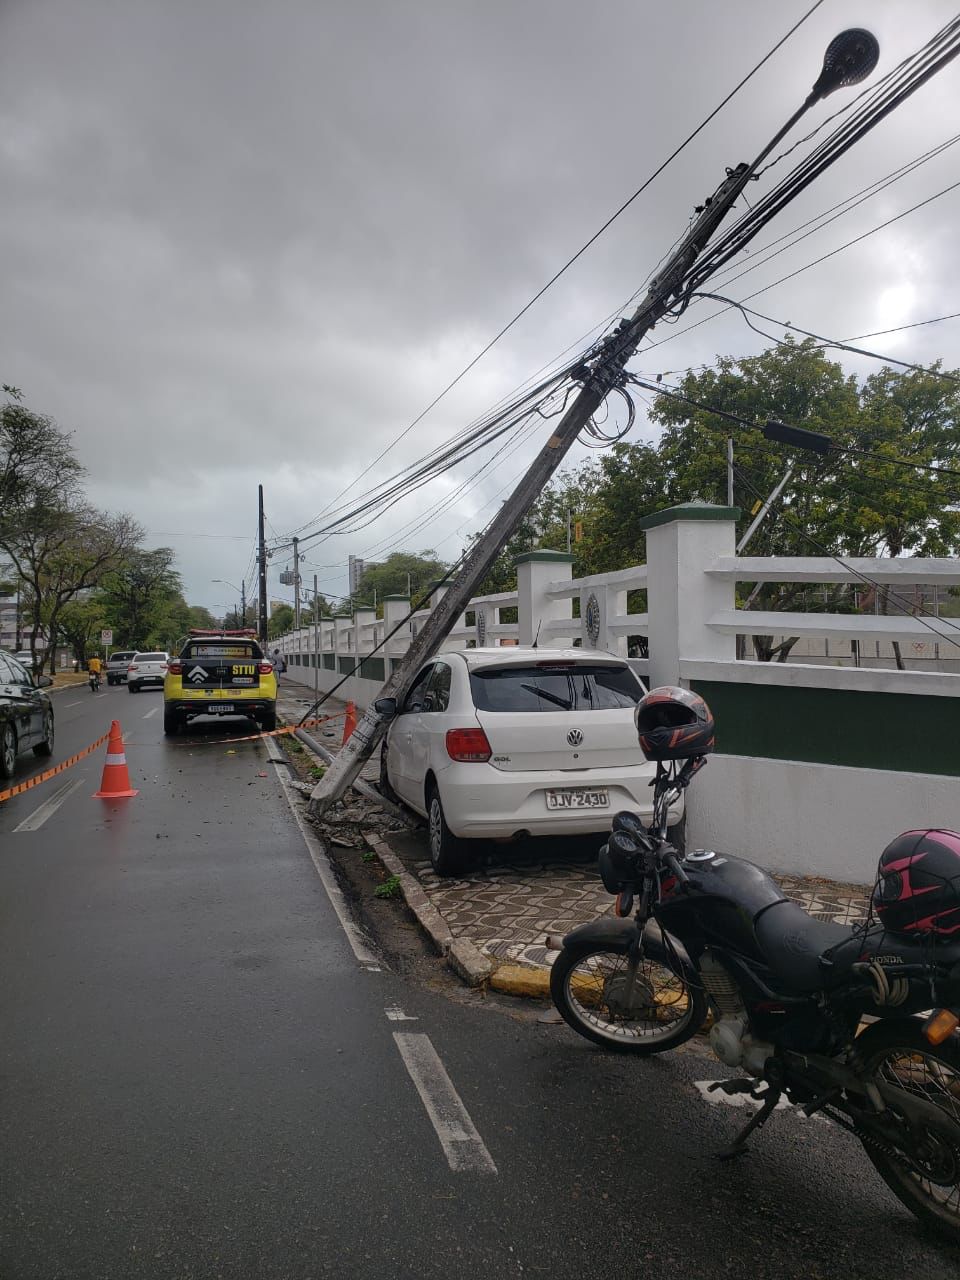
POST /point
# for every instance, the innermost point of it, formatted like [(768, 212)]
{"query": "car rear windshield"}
[(122, 655), (152, 657), (222, 649), (578, 687)]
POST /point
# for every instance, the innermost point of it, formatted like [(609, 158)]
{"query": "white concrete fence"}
[(826, 763)]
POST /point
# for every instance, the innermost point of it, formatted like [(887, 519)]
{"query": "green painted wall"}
[(909, 733)]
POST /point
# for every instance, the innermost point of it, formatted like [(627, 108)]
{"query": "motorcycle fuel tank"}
[(719, 903)]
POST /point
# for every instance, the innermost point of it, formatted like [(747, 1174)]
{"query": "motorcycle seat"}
[(793, 942)]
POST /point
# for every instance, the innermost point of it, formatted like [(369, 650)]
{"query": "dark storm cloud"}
[(245, 242)]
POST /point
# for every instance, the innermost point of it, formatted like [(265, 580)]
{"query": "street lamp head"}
[(850, 57)]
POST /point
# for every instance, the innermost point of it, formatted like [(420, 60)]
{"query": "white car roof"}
[(513, 655)]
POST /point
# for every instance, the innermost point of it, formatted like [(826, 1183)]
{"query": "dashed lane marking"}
[(462, 1144), (396, 1014), (35, 820), (68, 705), (152, 712), (355, 937)]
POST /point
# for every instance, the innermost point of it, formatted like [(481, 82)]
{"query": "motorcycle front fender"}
[(608, 932), (613, 934)]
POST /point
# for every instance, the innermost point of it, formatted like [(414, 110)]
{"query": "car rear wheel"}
[(45, 747), (171, 724), (448, 854), (268, 721), (132, 688), (8, 751)]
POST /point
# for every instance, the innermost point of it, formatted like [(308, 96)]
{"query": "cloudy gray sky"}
[(246, 242)]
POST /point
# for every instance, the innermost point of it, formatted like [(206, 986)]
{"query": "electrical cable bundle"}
[(875, 105), (348, 518)]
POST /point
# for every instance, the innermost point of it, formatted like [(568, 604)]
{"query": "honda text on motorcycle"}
[(856, 1023)]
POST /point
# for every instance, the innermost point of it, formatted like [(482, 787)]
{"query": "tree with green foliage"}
[(59, 555), (402, 573), (281, 621), (38, 468), (840, 503), (142, 598)]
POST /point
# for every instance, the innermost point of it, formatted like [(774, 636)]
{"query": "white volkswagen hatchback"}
[(503, 743)]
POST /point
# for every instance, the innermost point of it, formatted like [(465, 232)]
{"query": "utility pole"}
[(729, 471), (296, 584), (243, 603), (261, 572), (569, 531), (316, 639), (601, 372)]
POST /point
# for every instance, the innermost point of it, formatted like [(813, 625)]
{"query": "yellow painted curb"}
[(521, 980)]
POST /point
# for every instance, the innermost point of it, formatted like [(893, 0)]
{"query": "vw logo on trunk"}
[(575, 737)]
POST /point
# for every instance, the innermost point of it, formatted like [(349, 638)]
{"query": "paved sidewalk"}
[(509, 905)]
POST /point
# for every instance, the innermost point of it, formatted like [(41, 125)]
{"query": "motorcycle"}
[(94, 681), (788, 995)]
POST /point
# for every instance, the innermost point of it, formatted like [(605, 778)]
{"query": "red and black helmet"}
[(674, 724), (918, 884)]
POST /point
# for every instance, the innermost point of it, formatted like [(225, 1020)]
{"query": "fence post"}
[(682, 542), (395, 608), (535, 571), (362, 618)]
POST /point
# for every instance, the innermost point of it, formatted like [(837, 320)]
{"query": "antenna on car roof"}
[(537, 636)]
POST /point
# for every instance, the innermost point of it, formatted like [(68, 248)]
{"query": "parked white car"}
[(146, 670), (502, 743)]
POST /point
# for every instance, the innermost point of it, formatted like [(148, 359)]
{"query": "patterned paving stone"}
[(508, 908)]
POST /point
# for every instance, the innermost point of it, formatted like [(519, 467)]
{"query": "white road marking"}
[(744, 1100), (70, 704), (458, 1136), (49, 807), (152, 712), (396, 1014), (355, 937)]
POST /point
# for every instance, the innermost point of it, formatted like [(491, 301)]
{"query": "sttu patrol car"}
[(219, 673)]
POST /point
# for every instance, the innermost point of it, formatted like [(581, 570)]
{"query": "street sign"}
[(106, 636)]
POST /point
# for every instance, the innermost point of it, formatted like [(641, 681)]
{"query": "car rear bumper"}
[(480, 802), (188, 707), (140, 681)]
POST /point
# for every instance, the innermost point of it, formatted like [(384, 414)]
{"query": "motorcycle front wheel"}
[(642, 1010), (926, 1176)]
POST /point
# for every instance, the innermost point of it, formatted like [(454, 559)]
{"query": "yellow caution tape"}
[(51, 773)]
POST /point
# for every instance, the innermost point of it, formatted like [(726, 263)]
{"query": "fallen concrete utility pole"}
[(850, 57)]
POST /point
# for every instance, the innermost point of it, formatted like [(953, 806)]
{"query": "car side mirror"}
[(43, 682), (386, 708)]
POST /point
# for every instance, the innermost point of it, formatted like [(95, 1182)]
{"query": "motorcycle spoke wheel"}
[(926, 1178), (646, 1012)]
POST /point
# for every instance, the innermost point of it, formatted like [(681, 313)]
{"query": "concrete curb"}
[(428, 917), (462, 956)]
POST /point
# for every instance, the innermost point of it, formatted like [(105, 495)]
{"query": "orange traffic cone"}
[(350, 723), (115, 783)]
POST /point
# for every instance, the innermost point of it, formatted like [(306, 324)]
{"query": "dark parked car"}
[(26, 714)]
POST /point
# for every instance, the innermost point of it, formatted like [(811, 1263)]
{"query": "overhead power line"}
[(579, 253), (827, 342)]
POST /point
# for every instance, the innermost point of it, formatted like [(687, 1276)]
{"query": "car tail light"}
[(468, 746), (132, 667), (175, 668), (264, 668)]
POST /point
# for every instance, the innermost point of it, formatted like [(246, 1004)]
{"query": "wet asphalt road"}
[(200, 1079)]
